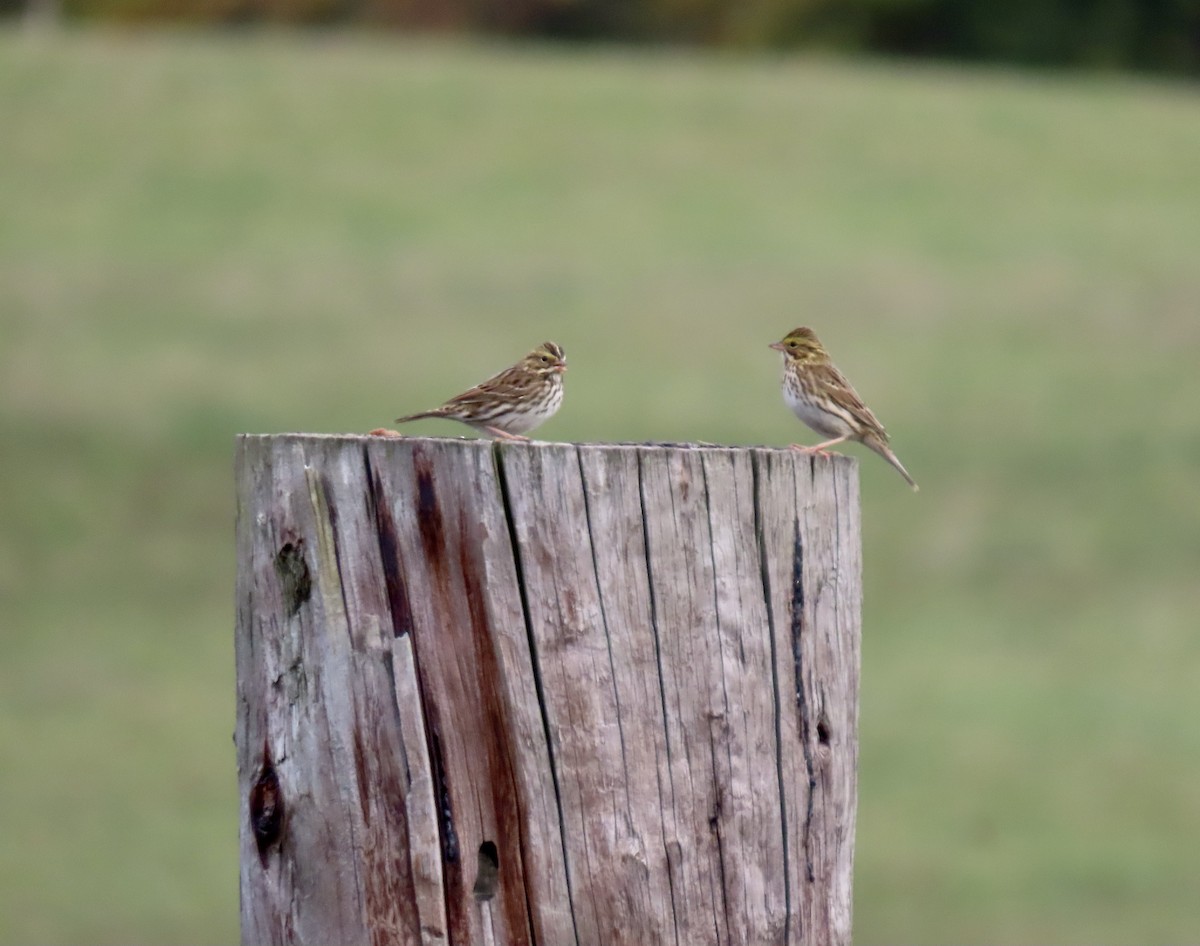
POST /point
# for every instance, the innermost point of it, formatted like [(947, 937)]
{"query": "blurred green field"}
[(201, 235)]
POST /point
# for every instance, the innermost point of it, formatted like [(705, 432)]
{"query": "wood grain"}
[(545, 693)]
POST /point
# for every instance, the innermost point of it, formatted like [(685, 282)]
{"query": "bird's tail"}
[(421, 415), (886, 452)]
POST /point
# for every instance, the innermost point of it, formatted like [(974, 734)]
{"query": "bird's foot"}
[(384, 432), (810, 451), (505, 435)]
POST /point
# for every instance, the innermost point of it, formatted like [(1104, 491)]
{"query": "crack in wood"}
[(716, 720), (445, 810), (714, 824), (428, 515), (389, 553), (671, 847), (757, 457), (500, 781), (539, 686), (587, 513), (360, 770), (798, 629)]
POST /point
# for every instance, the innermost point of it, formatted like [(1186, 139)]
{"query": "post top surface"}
[(481, 443)]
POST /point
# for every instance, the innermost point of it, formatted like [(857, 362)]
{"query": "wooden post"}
[(545, 694)]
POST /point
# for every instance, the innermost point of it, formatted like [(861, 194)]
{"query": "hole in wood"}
[(294, 578), (266, 807), (823, 731), (488, 875)]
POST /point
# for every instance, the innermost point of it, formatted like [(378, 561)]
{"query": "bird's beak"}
[(778, 346), (561, 369)]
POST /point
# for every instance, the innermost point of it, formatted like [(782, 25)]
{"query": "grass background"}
[(202, 234)]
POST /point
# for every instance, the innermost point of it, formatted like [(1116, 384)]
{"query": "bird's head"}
[(801, 345), (547, 359)]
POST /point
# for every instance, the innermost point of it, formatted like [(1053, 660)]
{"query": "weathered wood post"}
[(545, 694)]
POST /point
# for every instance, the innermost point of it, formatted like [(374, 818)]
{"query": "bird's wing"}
[(841, 392), (509, 385)]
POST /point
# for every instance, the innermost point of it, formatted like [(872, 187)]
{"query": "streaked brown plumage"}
[(821, 396), (513, 402)]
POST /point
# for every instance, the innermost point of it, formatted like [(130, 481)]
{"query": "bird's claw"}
[(505, 435), (812, 451)]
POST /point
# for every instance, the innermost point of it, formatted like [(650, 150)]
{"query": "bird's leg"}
[(819, 449), (505, 434)]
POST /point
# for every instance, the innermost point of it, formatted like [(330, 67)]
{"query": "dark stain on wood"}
[(266, 807), (330, 505), (294, 577), (389, 555), (429, 513)]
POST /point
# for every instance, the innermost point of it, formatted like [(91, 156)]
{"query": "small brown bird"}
[(513, 402), (821, 396)]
